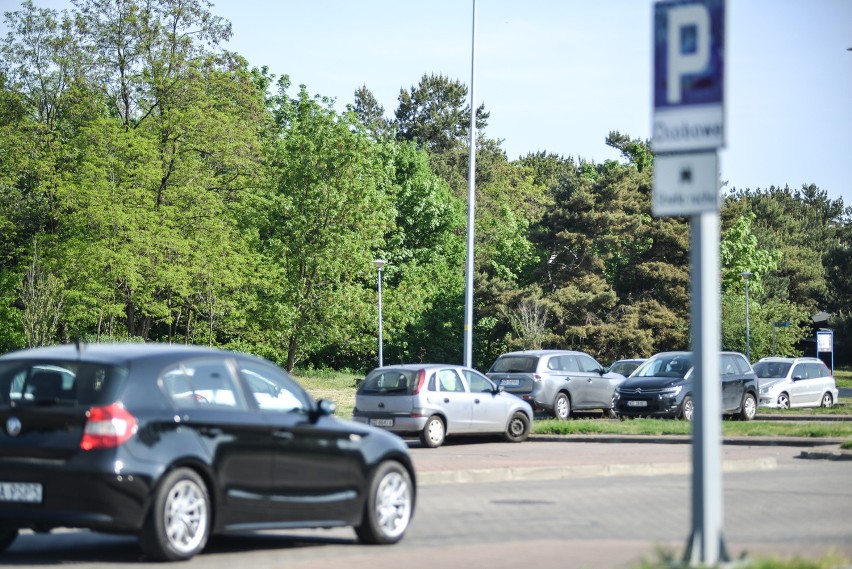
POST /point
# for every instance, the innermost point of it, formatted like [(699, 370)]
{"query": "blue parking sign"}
[(689, 78)]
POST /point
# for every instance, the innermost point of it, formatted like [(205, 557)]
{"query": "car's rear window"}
[(59, 383), (514, 364), (390, 381)]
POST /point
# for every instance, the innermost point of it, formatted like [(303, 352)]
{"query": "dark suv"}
[(556, 381), (662, 387)]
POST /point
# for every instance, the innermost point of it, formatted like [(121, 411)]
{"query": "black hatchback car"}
[(176, 443), (662, 387)]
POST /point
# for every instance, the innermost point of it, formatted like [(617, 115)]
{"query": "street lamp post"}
[(379, 263), (746, 275)]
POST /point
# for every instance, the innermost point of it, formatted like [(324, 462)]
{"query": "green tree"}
[(319, 225)]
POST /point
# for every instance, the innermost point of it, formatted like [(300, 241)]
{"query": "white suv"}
[(795, 382)]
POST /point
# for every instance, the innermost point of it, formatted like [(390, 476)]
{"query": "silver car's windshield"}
[(665, 366), (772, 369)]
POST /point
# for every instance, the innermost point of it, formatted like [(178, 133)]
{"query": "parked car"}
[(556, 381), (434, 401), (662, 387), (795, 382), (177, 443), (625, 367)]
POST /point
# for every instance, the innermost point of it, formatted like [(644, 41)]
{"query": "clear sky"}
[(559, 75)]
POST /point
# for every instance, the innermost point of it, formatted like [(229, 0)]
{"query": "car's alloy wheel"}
[(433, 433), (389, 506), (178, 525), (784, 401), (749, 408), (7, 536), (687, 408), (562, 407), (827, 400), (518, 429)]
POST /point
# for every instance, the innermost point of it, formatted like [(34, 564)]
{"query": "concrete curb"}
[(520, 473), (687, 439)]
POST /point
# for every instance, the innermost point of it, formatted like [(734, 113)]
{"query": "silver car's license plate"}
[(511, 382), (637, 403), (381, 422), (29, 492)]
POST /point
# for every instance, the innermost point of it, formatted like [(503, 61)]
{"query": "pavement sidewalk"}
[(546, 457)]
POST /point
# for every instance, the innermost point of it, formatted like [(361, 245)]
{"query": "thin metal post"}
[(468, 297), (748, 325), (379, 263), (706, 544)]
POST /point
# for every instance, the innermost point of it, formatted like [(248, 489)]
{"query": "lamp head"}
[(379, 263), (746, 275)]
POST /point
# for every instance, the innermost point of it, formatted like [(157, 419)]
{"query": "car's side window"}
[(431, 386), (478, 383), (272, 389), (568, 363), (202, 383), (587, 364), (813, 370), (449, 381), (729, 365), (799, 371)]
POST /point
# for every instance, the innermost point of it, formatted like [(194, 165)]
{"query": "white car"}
[(795, 382)]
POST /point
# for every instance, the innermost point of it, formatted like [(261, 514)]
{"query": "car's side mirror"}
[(323, 408), (499, 389), (797, 378)]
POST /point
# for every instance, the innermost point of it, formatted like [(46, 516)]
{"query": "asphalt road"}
[(569, 503)]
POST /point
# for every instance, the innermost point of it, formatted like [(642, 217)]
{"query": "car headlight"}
[(673, 390)]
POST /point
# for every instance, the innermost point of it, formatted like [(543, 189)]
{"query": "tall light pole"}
[(379, 263), (471, 196), (747, 275)]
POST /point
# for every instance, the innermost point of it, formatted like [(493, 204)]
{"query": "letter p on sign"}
[(689, 45)]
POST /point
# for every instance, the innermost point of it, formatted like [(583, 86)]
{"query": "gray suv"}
[(556, 381)]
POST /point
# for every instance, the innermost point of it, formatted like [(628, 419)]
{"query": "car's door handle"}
[(446, 399), (283, 436), (589, 380), (211, 432), (476, 400)]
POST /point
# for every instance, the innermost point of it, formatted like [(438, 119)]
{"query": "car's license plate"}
[(511, 382), (381, 422), (637, 403), (20, 492)]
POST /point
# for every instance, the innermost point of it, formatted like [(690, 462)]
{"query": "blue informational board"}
[(689, 75), (825, 344)]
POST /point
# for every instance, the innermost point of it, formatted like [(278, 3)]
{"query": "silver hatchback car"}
[(434, 401)]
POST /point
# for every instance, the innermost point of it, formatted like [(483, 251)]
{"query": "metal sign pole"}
[(706, 545)]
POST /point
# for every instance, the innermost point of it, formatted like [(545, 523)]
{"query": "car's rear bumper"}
[(401, 424), (93, 499)]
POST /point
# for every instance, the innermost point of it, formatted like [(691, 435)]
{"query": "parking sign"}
[(689, 78)]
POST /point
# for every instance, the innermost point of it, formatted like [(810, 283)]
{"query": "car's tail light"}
[(107, 427), (421, 379)]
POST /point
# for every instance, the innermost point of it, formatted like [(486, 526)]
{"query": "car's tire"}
[(389, 505), (7, 536), (687, 409), (749, 407), (434, 433), (783, 401), (178, 524), (561, 407), (518, 429), (827, 400)]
